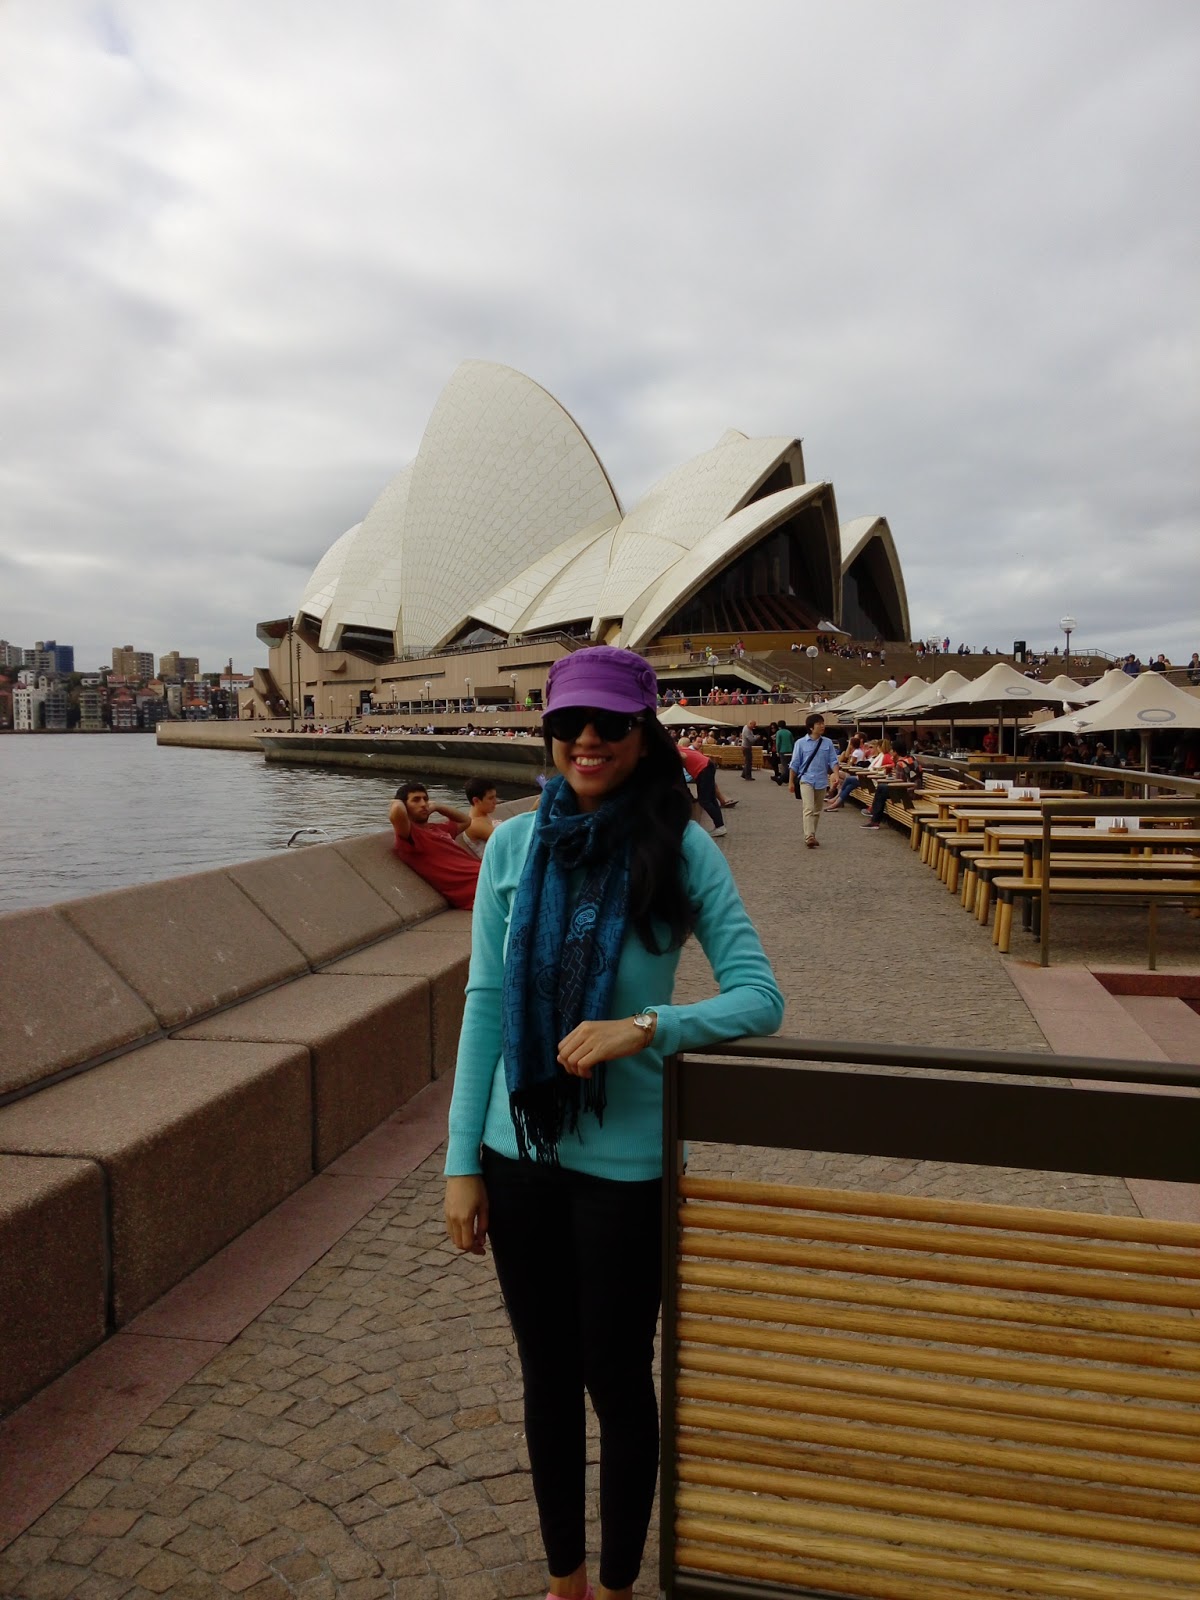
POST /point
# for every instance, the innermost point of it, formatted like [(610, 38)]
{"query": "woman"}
[(556, 1123)]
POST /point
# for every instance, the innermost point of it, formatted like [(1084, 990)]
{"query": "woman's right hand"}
[(467, 1214)]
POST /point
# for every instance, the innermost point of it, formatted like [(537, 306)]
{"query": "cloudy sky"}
[(953, 247)]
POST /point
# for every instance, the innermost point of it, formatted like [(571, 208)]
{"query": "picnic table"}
[(1029, 836)]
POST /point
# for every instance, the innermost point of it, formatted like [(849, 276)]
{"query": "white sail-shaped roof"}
[(370, 589), (502, 476), (650, 610), (508, 520), (322, 585)]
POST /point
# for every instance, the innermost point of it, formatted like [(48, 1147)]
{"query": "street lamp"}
[(291, 678), (812, 653), (1068, 627), (467, 681)]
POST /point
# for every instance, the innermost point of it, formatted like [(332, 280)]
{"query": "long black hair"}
[(662, 811)]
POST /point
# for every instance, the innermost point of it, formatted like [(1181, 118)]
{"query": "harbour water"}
[(82, 813)]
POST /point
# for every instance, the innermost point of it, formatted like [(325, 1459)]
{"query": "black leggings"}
[(580, 1266), (706, 793)]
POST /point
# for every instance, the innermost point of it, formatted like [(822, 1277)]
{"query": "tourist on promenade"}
[(784, 745), (431, 848), (813, 759), (555, 1145), (749, 740), (481, 794), (904, 768), (849, 781), (702, 770)]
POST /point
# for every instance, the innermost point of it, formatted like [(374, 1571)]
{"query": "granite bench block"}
[(187, 945), (374, 859), (437, 953), (369, 1042), (53, 1269), (196, 1141), (43, 958), (319, 900)]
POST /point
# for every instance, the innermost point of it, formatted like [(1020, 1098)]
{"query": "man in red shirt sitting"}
[(431, 848)]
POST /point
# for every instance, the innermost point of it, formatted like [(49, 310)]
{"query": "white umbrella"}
[(940, 692), (912, 692), (1002, 688), (844, 702), (872, 700), (1113, 682), (1145, 704), (678, 716), (1075, 692)]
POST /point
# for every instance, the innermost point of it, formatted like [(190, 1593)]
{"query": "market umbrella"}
[(874, 697), (844, 702), (1113, 682), (1146, 703), (678, 716), (1076, 694), (1002, 689), (912, 692), (940, 692)]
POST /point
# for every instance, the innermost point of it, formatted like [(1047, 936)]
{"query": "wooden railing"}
[(900, 1397)]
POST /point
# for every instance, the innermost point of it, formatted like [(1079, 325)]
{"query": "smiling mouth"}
[(590, 763)]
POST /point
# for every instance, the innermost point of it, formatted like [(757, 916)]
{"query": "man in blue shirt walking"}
[(813, 759)]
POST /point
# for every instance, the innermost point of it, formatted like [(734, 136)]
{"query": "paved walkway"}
[(358, 1435)]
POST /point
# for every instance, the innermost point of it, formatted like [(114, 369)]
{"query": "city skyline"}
[(952, 248)]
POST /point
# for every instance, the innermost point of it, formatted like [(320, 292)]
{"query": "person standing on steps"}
[(813, 759), (555, 1147)]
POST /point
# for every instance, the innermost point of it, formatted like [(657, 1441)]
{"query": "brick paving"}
[(362, 1438)]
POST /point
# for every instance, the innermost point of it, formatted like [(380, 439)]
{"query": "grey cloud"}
[(952, 247)]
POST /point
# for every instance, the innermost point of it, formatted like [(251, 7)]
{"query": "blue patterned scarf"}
[(561, 964)]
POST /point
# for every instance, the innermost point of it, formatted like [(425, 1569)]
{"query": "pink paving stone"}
[(224, 1296), (1079, 1015)]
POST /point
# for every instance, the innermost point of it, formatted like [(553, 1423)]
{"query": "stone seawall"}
[(504, 760)]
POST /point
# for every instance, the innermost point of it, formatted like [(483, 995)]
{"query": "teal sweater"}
[(628, 1145)]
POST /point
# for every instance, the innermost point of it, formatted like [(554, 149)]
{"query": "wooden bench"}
[(1153, 889), (981, 871), (901, 1397)]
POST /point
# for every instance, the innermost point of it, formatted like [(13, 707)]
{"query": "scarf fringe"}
[(543, 1113)]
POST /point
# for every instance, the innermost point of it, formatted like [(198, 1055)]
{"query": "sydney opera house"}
[(507, 530)]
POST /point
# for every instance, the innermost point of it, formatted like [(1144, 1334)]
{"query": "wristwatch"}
[(647, 1021)]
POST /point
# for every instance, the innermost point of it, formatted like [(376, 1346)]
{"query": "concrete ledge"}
[(318, 900), (53, 1283), (197, 1141), (374, 859), (437, 953), (368, 1039), (186, 945), (43, 958)]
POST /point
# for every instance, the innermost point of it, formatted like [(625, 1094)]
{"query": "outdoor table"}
[(1014, 812), (1029, 836), (948, 804)]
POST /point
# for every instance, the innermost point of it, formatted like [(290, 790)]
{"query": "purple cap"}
[(604, 677)]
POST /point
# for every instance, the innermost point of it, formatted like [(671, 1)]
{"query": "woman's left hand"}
[(592, 1042)]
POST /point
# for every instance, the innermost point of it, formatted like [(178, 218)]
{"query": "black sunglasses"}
[(611, 726)]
